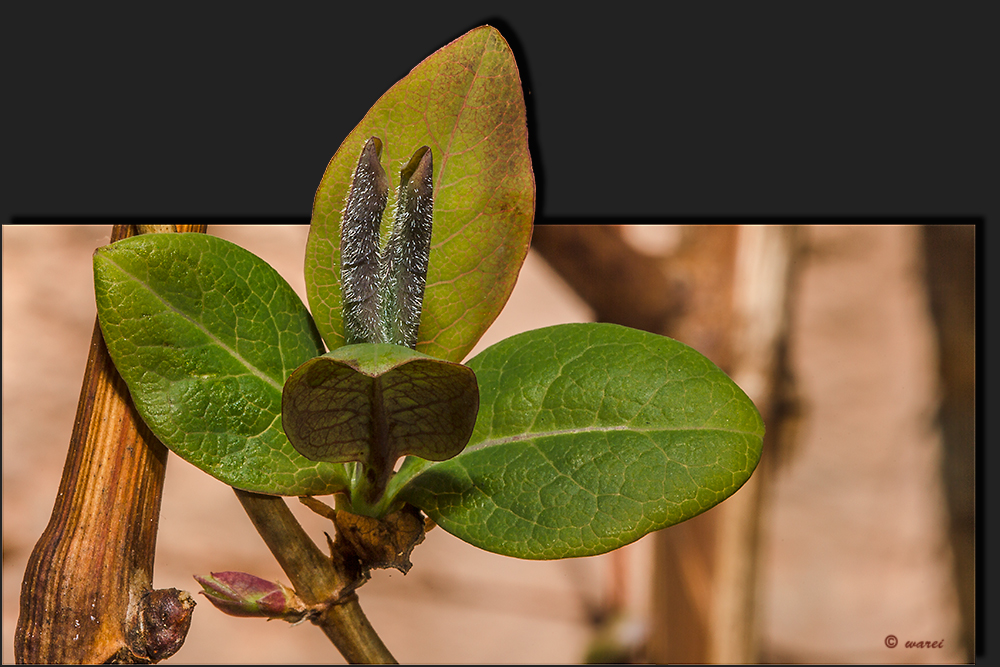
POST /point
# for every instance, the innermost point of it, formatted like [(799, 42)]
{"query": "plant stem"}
[(316, 578), (87, 592)]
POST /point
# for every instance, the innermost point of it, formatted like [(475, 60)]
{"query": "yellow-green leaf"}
[(464, 102)]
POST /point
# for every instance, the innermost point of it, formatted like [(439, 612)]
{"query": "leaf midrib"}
[(493, 442), (215, 339)]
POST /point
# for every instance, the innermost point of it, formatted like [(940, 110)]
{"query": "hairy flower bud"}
[(241, 594)]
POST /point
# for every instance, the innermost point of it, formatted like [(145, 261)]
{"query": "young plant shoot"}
[(378, 399), (566, 441)]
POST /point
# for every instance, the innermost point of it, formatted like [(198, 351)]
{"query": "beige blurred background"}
[(854, 541)]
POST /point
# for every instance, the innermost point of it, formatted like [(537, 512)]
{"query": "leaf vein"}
[(215, 339)]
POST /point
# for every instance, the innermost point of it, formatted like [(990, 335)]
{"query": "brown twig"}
[(763, 283), (620, 284), (87, 592), (317, 579)]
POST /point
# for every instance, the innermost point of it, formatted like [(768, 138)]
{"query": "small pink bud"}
[(241, 594)]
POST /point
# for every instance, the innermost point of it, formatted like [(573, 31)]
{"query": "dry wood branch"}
[(87, 592), (621, 285), (761, 302), (950, 261)]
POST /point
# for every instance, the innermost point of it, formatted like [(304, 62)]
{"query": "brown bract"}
[(380, 543)]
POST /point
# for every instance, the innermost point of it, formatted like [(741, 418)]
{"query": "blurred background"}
[(857, 525)]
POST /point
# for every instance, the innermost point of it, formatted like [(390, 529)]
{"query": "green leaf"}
[(589, 436), (376, 403), (204, 334), (465, 103)]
